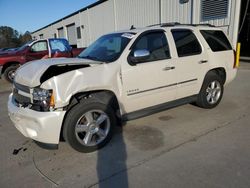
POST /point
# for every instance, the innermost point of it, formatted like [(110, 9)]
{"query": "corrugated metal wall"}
[(175, 11), (136, 12), (114, 15), (101, 20)]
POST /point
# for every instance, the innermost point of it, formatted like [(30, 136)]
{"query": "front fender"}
[(96, 78)]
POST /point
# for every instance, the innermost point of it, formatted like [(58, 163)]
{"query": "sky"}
[(30, 15)]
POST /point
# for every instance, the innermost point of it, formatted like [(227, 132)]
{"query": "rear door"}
[(192, 62), (37, 50)]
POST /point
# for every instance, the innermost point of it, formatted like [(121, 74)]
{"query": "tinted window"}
[(39, 46), (216, 40), (186, 43), (155, 43)]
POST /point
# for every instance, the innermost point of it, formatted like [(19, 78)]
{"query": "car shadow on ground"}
[(111, 161)]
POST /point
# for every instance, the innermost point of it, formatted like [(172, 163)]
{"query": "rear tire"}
[(211, 91), (9, 73), (89, 125)]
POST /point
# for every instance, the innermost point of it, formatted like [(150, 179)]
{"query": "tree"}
[(11, 38), (26, 37)]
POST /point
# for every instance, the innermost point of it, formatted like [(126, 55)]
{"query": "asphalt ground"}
[(183, 147)]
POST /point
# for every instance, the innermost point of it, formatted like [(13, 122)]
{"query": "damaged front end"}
[(28, 90), (32, 108), (56, 70), (33, 98)]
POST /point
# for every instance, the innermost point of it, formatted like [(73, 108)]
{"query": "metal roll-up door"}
[(60, 33), (71, 31)]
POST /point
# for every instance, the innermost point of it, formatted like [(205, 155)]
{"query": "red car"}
[(34, 50)]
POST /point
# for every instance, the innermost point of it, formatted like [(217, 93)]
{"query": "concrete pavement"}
[(182, 147)]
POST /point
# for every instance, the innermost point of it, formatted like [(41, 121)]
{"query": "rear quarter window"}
[(216, 40), (186, 42)]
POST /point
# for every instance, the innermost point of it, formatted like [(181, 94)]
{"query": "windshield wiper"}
[(91, 58)]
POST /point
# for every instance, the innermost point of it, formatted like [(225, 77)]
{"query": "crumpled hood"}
[(30, 73)]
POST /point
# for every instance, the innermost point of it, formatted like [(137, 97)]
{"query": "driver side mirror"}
[(139, 56)]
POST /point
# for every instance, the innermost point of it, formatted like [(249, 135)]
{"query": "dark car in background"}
[(10, 60)]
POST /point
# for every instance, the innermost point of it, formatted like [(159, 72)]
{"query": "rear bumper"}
[(231, 74), (44, 127)]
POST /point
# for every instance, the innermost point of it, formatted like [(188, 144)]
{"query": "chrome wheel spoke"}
[(212, 100), (209, 96), (209, 90), (89, 117), (87, 138), (213, 92), (213, 85), (101, 133), (92, 127), (218, 89), (101, 119)]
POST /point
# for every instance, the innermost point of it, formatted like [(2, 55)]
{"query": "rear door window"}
[(216, 40), (186, 42)]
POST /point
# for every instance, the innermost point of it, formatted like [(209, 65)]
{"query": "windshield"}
[(107, 48)]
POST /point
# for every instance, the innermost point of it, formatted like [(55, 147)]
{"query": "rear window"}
[(216, 40), (186, 42)]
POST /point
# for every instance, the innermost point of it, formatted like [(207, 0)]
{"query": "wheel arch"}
[(220, 71), (8, 64), (104, 96)]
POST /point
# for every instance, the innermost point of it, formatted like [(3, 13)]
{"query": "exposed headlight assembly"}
[(43, 100)]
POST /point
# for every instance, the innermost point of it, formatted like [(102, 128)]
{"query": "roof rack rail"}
[(132, 27), (195, 25), (171, 24), (165, 24)]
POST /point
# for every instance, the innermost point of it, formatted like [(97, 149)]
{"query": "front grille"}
[(20, 99), (23, 88)]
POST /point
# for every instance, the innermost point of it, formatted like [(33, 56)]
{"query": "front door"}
[(38, 50), (151, 81)]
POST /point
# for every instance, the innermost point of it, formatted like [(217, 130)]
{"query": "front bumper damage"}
[(44, 127)]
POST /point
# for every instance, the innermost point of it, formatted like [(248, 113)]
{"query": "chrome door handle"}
[(203, 61), (168, 68)]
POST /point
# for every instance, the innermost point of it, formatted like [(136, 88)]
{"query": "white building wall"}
[(101, 20), (136, 12), (175, 11), (85, 30), (115, 15)]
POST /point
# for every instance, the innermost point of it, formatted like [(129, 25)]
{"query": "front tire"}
[(9, 73), (89, 125), (211, 91)]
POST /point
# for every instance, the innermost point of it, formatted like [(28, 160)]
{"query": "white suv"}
[(121, 76)]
